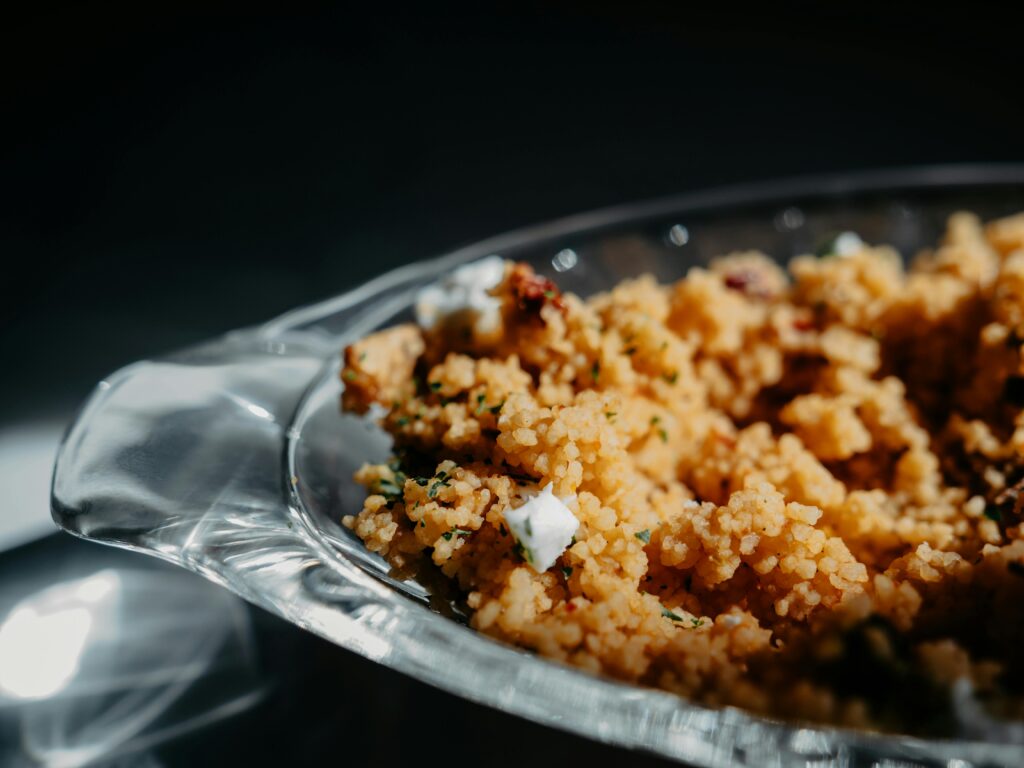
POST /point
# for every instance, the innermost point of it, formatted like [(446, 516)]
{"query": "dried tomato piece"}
[(533, 291)]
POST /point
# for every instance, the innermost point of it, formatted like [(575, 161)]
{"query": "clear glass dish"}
[(231, 459)]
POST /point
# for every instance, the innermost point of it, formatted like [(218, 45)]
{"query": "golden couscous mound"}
[(798, 493)]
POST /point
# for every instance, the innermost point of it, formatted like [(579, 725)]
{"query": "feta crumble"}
[(464, 296), (843, 244), (847, 244), (543, 526)]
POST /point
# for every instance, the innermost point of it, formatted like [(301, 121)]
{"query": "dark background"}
[(175, 170)]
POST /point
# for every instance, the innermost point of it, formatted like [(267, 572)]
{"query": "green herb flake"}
[(669, 615), (438, 484), (663, 435), (496, 409), (992, 512), (402, 421), (644, 535), (390, 489), (434, 386), (655, 420), (447, 535), (549, 294), (349, 375), (523, 552), (362, 356), (671, 378), (567, 571), (480, 407), (528, 526), (697, 623), (610, 415), (595, 371)]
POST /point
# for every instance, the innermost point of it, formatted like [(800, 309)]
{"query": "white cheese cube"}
[(543, 526), (464, 296)]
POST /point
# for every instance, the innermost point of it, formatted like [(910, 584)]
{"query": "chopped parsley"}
[(528, 527), (644, 535), (440, 482), (694, 622), (595, 371), (447, 535), (391, 488), (496, 409), (480, 407), (671, 378), (549, 294), (349, 375), (567, 571), (523, 552), (663, 435), (434, 386), (402, 421), (610, 415)]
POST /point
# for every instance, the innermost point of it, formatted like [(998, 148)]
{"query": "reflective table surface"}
[(112, 659)]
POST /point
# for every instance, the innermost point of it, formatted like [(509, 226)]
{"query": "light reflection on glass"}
[(790, 219), (114, 663), (256, 410), (39, 652), (565, 260), (679, 235)]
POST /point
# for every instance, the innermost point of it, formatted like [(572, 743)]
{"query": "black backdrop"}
[(173, 170), (177, 169)]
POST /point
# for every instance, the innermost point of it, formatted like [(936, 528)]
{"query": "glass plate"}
[(231, 459)]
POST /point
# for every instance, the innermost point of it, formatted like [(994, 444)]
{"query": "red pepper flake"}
[(803, 324), (570, 607), (532, 291), (748, 281), (739, 280)]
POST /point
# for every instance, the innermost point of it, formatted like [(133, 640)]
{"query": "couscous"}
[(793, 491)]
